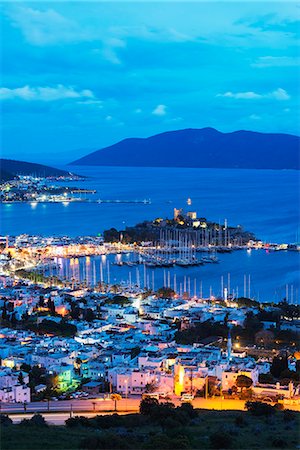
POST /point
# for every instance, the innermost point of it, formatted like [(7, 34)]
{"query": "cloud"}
[(151, 33), (160, 110), (96, 103), (109, 50), (278, 94), (44, 27), (44, 93), (254, 117), (276, 61), (240, 95)]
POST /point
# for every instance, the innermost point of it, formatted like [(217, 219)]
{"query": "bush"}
[(279, 406), (278, 443), (5, 420), (188, 409), (259, 408), (170, 422), (36, 420), (147, 405), (77, 421), (161, 441), (220, 439), (289, 415), (240, 421), (105, 441)]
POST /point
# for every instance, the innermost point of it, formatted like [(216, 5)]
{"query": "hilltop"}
[(206, 147), (11, 168)]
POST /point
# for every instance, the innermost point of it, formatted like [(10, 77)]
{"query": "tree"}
[(151, 387), (266, 378), (279, 364), (25, 367), (21, 378), (264, 338), (165, 292), (121, 300), (252, 323), (89, 315), (147, 405), (41, 303), (243, 381), (51, 306), (4, 312), (116, 398), (135, 351)]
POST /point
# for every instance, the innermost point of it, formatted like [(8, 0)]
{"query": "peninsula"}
[(9, 169), (203, 148)]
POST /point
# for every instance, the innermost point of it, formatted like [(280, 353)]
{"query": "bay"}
[(265, 202)]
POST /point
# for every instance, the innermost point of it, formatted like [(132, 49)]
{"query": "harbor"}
[(258, 273)]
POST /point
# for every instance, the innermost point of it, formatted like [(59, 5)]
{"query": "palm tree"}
[(116, 398)]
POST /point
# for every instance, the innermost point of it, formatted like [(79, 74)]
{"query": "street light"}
[(126, 393)]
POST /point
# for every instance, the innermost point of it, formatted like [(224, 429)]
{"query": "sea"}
[(265, 202)]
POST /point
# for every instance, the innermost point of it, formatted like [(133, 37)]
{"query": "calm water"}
[(263, 201), (269, 272)]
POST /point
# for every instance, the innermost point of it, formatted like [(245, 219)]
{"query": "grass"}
[(247, 432)]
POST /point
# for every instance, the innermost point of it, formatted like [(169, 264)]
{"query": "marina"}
[(259, 274)]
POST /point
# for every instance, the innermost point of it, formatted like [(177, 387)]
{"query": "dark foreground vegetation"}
[(160, 427)]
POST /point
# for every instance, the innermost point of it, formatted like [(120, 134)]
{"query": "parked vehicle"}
[(150, 395), (187, 397)]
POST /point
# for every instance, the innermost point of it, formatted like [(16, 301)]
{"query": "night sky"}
[(80, 76)]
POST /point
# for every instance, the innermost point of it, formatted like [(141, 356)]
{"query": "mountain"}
[(204, 147), (10, 168)]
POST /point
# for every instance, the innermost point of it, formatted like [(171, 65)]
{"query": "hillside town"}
[(62, 343)]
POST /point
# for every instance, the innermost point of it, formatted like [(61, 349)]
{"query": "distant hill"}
[(10, 168), (204, 147)]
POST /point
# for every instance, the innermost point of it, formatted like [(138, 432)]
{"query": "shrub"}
[(147, 405), (278, 406), (77, 421), (289, 415), (278, 443), (170, 422), (5, 420), (36, 420), (188, 409), (220, 439), (240, 421), (260, 408), (161, 441), (105, 441)]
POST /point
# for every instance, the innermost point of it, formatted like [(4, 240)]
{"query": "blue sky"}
[(79, 76)]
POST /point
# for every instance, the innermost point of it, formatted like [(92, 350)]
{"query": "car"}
[(150, 395), (187, 397)]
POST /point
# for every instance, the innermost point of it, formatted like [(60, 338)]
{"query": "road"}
[(57, 412), (76, 405)]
